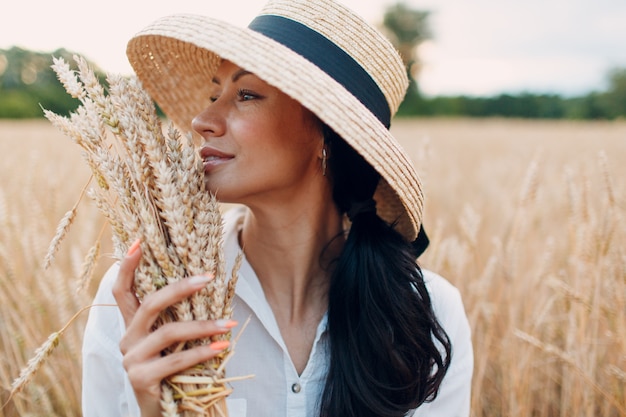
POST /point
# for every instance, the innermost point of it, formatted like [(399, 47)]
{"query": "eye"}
[(214, 95), (246, 95)]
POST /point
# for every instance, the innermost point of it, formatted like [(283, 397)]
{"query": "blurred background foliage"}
[(407, 28), (27, 83)]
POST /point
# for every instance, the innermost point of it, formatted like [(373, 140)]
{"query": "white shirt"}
[(276, 390)]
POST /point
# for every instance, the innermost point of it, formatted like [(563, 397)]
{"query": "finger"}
[(171, 334), (150, 373), (153, 304), (123, 287)]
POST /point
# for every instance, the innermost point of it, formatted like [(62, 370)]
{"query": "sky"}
[(478, 47)]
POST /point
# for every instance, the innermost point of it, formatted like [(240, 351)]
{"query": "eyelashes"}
[(246, 95), (242, 95)]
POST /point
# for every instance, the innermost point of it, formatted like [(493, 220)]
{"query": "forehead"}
[(227, 69)]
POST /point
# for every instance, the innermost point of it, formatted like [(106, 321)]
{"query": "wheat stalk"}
[(41, 354), (149, 187), (566, 358)]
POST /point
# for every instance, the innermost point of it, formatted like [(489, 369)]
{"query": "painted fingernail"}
[(133, 248), (219, 345), (200, 280), (226, 324)]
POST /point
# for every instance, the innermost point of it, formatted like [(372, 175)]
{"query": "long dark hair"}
[(384, 359)]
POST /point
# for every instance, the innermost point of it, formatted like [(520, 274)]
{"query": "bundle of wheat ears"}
[(150, 186)]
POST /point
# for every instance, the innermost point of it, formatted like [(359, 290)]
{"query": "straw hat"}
[(316, 51)]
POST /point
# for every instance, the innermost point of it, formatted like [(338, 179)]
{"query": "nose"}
[(209, 122)]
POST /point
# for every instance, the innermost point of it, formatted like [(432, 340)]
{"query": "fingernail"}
[(220, 345), (200, 280), (226, 324), (133, 248)]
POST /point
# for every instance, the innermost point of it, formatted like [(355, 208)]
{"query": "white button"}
[(295, 388)]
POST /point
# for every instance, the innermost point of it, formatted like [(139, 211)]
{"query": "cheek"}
[(245, 130), (284, 137)]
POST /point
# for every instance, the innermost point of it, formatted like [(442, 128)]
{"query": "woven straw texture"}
[(176, 57)]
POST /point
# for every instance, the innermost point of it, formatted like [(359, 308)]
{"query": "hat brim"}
[(176, 57)]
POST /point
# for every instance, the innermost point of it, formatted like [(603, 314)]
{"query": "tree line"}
[(28, 84), (408, 27), (609, 104)]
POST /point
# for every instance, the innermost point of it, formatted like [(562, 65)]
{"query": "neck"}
[(291, 248)]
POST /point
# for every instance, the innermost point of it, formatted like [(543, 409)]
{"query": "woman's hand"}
[(142, 347)]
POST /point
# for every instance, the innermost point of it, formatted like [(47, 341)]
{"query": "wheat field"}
[(525, 218)]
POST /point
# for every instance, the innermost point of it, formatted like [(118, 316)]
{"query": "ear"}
[(323, 149), (324, 160), (318, 127)]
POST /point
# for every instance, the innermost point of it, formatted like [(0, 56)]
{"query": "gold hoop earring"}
[(324, 157)]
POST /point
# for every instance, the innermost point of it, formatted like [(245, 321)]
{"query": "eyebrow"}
[(236, 76)]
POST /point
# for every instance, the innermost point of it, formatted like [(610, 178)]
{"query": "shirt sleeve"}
[(106, 390), (453, 399)]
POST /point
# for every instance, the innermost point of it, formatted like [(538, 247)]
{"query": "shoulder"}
[(445, 297), (105, 322), (105, 388), (105, 325), (233, 218), (454, 394), (105, 289), (233, 222), (450, 311)]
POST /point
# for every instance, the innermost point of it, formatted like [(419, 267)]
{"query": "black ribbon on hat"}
[(327, 56)]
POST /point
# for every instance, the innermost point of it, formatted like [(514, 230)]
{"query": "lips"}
[(212, 158)]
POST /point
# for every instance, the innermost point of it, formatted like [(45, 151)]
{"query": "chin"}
[(209, 187), (215, 190)]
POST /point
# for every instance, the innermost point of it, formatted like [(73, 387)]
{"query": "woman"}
[(293, 115)]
